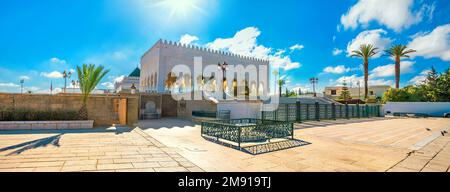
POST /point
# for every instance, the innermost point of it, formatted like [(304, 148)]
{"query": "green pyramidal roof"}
[(136, 73)]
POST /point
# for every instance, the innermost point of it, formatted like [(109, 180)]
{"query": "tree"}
[(435, 88), (345, 94), (89, 76), (281, 83), (406, 94), (397, 52), (365, 51)]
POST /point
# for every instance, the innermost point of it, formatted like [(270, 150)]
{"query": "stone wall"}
[(185, 108), (169, 106), (101, 108)]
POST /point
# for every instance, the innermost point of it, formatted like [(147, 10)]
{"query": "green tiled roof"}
[(135, 73)]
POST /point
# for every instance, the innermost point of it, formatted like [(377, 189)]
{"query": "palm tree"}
[(365, 51), (88, 76), (281, 82), (397, 52)]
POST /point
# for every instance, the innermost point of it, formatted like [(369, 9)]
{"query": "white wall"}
[(430, 108), (241, 109)]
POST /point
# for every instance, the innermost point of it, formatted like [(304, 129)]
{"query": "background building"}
[(124, 86), (375, 91)]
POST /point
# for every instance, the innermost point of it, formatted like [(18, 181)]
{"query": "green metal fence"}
[(247, 130), (299, 112)]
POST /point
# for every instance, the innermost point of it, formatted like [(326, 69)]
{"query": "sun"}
[(180, 8)]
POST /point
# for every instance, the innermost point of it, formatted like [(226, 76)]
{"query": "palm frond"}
[(89, 76)]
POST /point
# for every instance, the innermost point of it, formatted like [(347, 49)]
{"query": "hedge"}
[(35, 115)]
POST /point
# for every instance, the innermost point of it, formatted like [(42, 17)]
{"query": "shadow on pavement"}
[(53, 140)]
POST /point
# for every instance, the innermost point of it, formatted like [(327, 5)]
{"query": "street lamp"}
[(359, 90), (314, 81), (133, 89), (65, 76), (223, 66), (22, 81)]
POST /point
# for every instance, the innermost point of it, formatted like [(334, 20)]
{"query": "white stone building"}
[(125, 85), (158, 62)]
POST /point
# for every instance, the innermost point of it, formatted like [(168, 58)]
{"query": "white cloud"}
[(296, 47), (46, 91), (119, 78), (188, 39), (8, 85), (53, 75), (337, 51), (354, 79), (374, 37), (419, 79), (244, 42), (432, 44), (389, 70), (57, 60), (115, 79), (395, 14), (24, 77), (304, 89), (336, 70), (108, 85)]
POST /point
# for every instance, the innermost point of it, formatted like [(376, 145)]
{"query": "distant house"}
[(375, 91), (124, 86)]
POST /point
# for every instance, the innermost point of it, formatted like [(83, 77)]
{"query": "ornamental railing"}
[(299, 112), (247, 130)]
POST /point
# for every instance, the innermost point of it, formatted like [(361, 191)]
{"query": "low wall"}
[(436, 109), (45, 125), (241, 109), (103, 109), (185, 108)]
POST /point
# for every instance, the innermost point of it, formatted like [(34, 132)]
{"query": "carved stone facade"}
[(157, 64)]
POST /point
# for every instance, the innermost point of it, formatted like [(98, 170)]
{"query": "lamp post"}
[(65, 76), (223, 67), (22, 81), (133, 89), (275, 73), (314, 81), (359, 90)]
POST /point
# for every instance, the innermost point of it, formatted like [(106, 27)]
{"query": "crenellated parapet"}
[(209, 50)]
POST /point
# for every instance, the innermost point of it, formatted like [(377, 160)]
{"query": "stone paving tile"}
[(146, 165), (433, 157), (344, 145), (114, 166), (89, 150)]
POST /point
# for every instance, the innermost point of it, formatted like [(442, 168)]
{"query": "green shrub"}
[(36, 115)]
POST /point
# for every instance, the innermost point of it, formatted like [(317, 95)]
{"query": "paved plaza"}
[(105, 150), (343, 145), (382, 144)]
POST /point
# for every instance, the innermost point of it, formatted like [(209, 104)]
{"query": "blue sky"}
[(40, 39)]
